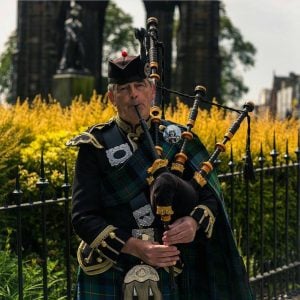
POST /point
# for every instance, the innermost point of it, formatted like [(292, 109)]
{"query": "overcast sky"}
[(273, 26)]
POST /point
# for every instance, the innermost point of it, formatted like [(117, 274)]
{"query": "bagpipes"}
[(169, 193), (167, 188)]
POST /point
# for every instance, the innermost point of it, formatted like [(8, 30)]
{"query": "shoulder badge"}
[(87, 137), (84, 138)]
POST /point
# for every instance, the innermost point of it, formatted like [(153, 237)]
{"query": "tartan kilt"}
[(108, 285)]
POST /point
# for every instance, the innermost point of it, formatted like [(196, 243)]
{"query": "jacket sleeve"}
[(87, 216), (206, 211)]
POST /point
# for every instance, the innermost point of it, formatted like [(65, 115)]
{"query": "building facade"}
[(285, 96)]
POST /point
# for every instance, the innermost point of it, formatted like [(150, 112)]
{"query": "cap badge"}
[(172, 134)]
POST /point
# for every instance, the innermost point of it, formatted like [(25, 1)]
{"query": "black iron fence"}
[(42, 209), (266, 222), (264, 214)]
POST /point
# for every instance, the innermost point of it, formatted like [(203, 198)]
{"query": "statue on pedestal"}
[(72, 78), (72, 61)]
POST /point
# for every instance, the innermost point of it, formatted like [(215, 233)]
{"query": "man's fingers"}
[(178, 238), (160, 255), (166, 251), (171, 261)]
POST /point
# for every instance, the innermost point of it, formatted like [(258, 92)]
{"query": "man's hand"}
[(152, 253), (182, 231)]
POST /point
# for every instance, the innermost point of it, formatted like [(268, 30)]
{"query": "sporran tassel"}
[(147, 290)]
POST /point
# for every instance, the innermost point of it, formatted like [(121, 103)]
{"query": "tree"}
[(118, 34), (6, 66), (235, 52)]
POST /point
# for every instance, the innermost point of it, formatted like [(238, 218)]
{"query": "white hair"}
[(112, 86)]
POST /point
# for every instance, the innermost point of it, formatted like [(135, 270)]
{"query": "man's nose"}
[(133, 91)]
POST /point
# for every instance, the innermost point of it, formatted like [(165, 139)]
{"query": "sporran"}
[(141, 282)]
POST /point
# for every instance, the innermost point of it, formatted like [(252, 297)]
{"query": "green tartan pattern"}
[(109, 285), (124, 183), (131, 176), (197, 154)]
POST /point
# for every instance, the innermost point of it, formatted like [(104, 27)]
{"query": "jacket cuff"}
[(205, 218), (109, 242)]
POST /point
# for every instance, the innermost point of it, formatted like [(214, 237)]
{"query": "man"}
[(126, 252)]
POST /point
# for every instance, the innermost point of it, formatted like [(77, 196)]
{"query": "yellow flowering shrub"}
[(28, 128), (211, 127)]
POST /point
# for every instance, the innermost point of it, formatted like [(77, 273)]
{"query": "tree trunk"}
[(39, 35), (93, 19), (198, 61)]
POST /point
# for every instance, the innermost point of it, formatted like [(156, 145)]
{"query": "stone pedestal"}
[(66, 86)]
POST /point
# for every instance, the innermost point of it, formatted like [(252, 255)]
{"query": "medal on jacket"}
[(118, 154)]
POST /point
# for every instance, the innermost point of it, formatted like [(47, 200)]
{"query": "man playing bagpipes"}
[(146, 232)]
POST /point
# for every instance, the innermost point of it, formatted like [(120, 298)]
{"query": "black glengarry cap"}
[(126, 69)]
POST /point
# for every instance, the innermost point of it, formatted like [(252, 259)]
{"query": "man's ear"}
[(111, 97)]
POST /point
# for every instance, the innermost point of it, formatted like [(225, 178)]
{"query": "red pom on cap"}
[(124, 53)]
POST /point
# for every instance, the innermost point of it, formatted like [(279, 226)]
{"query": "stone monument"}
[(72, 78)]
